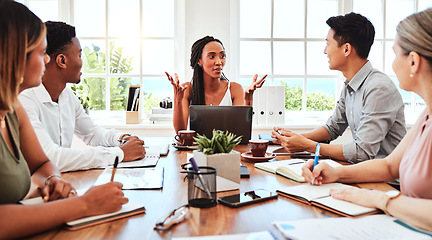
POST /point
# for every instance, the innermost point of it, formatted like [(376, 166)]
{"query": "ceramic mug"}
[(258, 147), (185, 137)]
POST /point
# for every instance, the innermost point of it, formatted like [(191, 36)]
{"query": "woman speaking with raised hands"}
[(209, 86)]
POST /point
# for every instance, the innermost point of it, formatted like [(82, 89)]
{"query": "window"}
[(285, 38), (385, 15), (287, 42), (44, 9), (124, 43)]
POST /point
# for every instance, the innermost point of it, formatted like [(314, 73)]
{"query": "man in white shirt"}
[(56, 113)]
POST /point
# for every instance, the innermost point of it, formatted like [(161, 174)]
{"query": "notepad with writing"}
[(129, 209), (320, 196), (290, 168)]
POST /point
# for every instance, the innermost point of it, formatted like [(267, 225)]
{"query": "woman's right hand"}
[(178, 89), (323, 173), (104, 199)]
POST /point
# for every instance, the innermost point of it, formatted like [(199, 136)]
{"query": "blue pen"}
[(196, 169), (317, 153)]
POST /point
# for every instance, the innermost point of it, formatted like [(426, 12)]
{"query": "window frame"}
[(344, 6), (140, 75)]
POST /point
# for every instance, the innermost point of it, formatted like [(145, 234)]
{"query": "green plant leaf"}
[(221, 142)]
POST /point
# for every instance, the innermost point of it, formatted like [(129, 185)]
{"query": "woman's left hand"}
[(57, 188), (363, 197), (255, 84)]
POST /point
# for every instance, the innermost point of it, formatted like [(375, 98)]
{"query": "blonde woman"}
[(411, 161), (22, 160)]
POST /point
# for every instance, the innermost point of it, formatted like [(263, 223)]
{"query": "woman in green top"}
[(22, 62)]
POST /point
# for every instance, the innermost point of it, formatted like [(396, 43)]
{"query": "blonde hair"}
[(415, 34), (21, 31)]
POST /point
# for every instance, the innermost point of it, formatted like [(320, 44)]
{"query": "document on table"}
[(370, 227), (134, 178)]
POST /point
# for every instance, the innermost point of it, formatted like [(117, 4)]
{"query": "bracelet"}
[(47, 180)]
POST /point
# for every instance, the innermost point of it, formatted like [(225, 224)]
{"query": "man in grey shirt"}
[(370, 103)]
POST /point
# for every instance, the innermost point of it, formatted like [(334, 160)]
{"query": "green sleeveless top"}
[(14, 172)]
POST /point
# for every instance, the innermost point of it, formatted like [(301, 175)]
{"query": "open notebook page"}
[(311, 192)]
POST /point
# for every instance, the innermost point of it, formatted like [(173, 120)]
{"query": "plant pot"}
[(227, 166)]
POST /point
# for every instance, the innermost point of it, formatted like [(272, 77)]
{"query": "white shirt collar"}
[(42, 94)]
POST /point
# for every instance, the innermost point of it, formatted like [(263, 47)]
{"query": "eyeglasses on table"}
[(177, 216)]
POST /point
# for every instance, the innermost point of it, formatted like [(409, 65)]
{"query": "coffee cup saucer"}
[(185, 147), (267, 156)]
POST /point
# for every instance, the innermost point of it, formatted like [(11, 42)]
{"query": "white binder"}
[(269, 106)]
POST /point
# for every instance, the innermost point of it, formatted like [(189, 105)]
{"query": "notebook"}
[(291, 168), (128, 209), (134, 178), (320, 196), (235, 119)]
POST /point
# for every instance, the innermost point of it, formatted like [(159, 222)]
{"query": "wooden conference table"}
[(211, 221)]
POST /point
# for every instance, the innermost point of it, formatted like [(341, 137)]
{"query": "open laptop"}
[(235, 119)]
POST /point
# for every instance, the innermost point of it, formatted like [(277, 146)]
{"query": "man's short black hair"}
[(355, 29), (59, 35)]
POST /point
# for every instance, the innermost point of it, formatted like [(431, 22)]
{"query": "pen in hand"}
[(114, 168), (317, 153)]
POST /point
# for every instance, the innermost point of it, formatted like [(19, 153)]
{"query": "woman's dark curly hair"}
[(197, 92)]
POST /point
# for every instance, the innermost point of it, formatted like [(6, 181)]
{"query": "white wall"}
[(202, 18)]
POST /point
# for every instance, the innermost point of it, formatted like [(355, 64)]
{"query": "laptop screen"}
[(235, 119)]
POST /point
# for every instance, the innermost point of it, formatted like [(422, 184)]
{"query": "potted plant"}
[(218, 152)]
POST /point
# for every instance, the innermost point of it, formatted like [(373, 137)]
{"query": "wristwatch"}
[(392, 194)]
